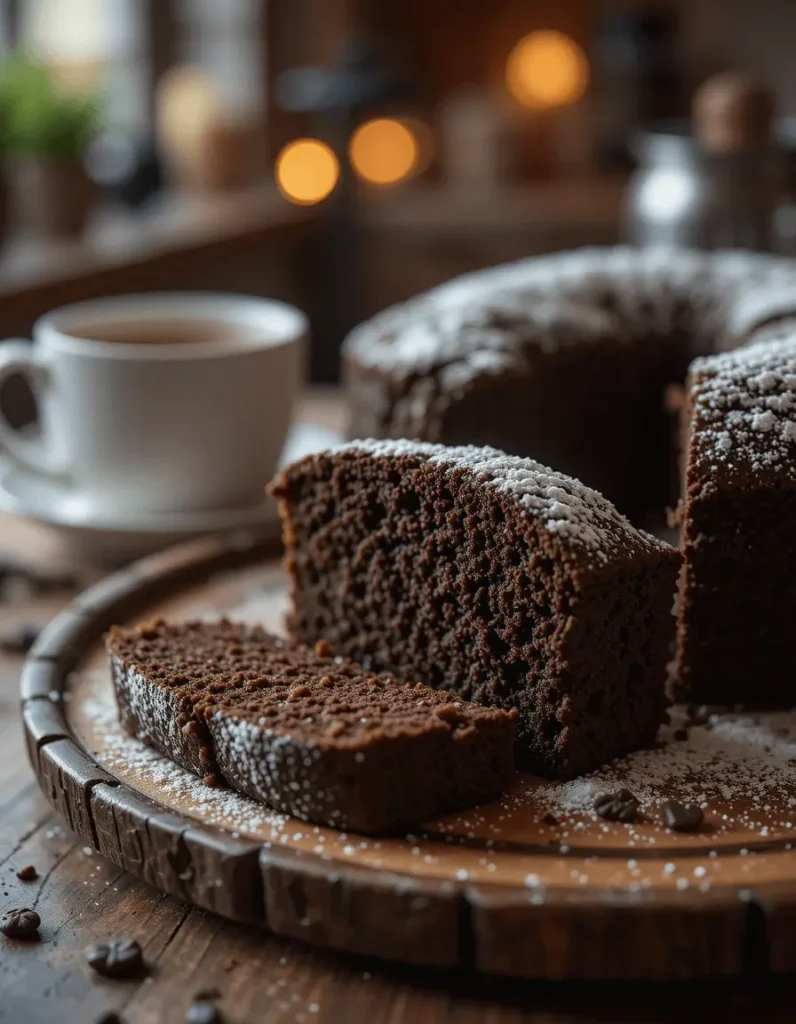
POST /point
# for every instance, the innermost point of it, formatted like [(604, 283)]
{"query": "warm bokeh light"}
[(384, 151), (306, 171), (547, 69)]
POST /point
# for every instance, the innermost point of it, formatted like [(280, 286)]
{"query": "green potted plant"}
[(48, 131)]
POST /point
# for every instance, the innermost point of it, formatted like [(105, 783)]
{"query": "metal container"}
[(681, 195)]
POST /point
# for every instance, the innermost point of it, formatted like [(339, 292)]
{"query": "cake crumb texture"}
[(489, 576)]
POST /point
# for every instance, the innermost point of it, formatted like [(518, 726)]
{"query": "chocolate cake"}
[(489, 576), (309, 734), (578, 359), (736, 641), (564, 358)]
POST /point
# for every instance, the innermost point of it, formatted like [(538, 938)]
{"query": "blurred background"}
[(345, 154)]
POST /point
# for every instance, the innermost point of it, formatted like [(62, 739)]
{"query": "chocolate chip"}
[(20, 639), (549, 819), (119, 958), (682, 817), (109, 1018), (681, 734), (27, 874), (20, 924), (619, 806), (203, 1012)]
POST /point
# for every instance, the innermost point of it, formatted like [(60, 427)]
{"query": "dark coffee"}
[(161, 332)]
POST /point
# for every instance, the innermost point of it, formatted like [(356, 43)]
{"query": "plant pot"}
[(54, 200)]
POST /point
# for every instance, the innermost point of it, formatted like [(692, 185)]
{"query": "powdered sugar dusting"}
[(566, 507), (619, 291), (478, 333), (122, 753), (734, 758), (744, 415), (256, 757), (739, 767)]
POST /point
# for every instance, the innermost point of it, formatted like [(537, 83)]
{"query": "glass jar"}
[(682, 196)]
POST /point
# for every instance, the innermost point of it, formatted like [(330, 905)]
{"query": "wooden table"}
[(83, 899)]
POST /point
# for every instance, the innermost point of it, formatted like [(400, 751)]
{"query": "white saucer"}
[(98, 536)]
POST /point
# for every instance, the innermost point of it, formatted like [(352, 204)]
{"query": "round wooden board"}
[(505, 889)]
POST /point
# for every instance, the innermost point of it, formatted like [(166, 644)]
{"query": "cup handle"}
[(32, 453)]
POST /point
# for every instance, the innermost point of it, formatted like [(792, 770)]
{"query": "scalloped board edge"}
[(587, 935)]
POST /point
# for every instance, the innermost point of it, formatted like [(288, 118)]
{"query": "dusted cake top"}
[(744, 412), (492, 318), (480, 332), (565, 507)]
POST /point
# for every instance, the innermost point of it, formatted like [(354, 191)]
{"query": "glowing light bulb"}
[(547, 69), (306, 171), (384, 151)]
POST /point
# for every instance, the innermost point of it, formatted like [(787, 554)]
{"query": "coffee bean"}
[(118, 958), (619, 806), (203, 1013), (27, 874), (682, 817), (20, 924)]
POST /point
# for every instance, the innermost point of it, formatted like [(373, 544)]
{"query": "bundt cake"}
[(563, 358), (569, 359), (492, 577), (305, 732)]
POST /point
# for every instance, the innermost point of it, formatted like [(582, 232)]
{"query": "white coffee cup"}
[(161, 402)]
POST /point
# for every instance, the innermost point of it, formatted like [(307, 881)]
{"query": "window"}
[(95, 42), (111, 44)]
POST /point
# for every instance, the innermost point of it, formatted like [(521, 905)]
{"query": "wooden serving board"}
[(534, 886)]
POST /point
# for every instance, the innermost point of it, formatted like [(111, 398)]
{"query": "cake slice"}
[(309, 734), (490, 576), (736, 636)]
